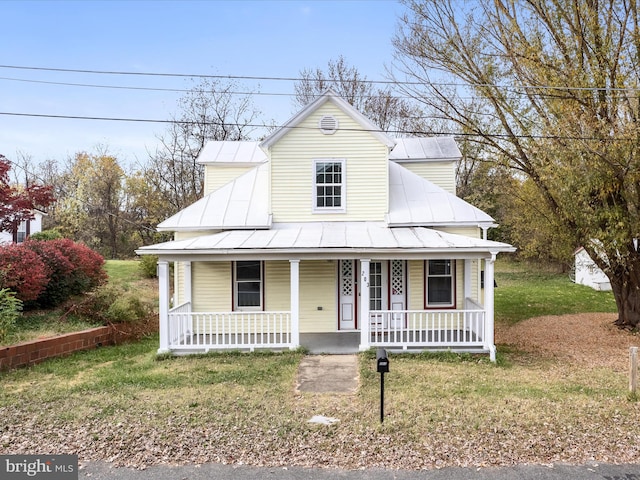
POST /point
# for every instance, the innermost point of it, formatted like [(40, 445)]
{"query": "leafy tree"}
[(17, 204), (381, 106), (91, 208), (555, 97), (145, 208)]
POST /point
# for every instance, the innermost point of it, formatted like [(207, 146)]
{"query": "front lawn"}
[(526, 291), (537, 405), (124, 405)]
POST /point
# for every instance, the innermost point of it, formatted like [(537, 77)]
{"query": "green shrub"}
[(128, 308), (113, 304), (149, 266), (10, 308), (52, 234)]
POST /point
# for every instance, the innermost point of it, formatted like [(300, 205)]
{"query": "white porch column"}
[(295, 303), (365, 323), (467, 280), (163, 305), (489, 306), (187, 283)]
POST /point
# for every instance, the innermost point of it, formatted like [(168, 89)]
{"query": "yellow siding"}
[(415, 278), (178, 270), (318, 289), (192, 234), (442, 174), (460, 284), (473, 232), (212, 289), (178, 284), (292, 170), (277, 279), (215, 176)]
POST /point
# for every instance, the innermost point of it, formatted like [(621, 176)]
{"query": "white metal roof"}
[(234, 152), (244, 204), (414, 200), (425, 148), (329, 239), (241, 203)]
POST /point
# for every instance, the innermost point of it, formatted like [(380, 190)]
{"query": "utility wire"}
[(296, 79), (298, 127)]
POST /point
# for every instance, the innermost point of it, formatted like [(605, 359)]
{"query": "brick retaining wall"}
[(29, 353)]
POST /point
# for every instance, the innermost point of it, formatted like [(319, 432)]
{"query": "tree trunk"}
[(626, 290)]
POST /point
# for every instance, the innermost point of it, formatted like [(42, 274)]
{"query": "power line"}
[(297, 127), (296, 79), (128, 87)]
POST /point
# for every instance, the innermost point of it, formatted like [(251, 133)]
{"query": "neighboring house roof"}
[(346, 107), (232, 152), (425, 148), (241, 203), (329, 237), (414, 200)]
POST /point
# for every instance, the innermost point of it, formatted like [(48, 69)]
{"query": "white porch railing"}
[(204, 331), (427, 328)]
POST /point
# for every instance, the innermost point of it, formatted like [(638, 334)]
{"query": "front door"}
[(386, 288)]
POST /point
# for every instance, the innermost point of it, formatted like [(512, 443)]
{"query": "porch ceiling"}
[(329, 240)]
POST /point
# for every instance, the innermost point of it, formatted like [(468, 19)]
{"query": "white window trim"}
[(343, 191), (237, 308), (451, 304)]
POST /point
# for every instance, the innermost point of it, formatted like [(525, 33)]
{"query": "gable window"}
[(440, 283), (247, 285), (328, 185)]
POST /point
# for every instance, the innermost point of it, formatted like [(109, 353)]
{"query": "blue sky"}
[(239, 38)]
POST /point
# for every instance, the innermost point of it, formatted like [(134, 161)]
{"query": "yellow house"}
[(329, 235)]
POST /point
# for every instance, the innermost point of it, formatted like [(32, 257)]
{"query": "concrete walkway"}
[(328, 374)]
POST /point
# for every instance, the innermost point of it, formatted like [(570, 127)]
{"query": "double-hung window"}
[(440, 283), (248, 285), (329, 185)]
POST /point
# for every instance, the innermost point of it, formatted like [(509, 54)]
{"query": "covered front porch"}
[(468, 329)]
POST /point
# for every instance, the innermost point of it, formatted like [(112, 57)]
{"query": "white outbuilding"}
[(588, 273)]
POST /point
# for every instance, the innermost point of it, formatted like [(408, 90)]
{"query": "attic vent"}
[(328, 124)]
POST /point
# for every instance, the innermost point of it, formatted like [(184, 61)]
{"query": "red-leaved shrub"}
[(22, 271), (47, 272), (58, 288), (88, 271)]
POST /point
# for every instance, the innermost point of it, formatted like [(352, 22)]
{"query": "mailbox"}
[(383, 361)]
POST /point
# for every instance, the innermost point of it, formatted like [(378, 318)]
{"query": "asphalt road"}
[(104, 471)]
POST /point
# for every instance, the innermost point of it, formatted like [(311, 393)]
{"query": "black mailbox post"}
[(383, 367)]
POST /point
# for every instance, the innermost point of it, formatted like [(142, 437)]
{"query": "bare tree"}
[(210, 111), (389, 111)]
